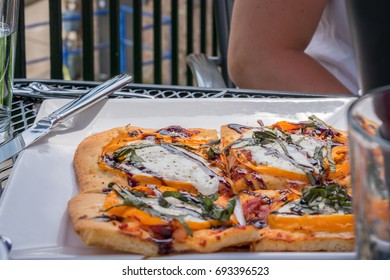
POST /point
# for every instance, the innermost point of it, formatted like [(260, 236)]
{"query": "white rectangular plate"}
[(33, 208)]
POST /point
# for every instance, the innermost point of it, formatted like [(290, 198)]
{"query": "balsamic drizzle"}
[(238, 127)]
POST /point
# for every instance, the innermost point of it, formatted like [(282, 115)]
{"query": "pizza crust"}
[(85, 213), (84, 210), (208, 241), (91, 178), (275, 240)]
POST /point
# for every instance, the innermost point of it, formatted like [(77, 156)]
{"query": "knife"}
[(45, 125)]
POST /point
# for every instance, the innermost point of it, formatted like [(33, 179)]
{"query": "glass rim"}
[(356, 127)]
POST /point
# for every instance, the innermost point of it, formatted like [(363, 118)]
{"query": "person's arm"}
[(267, 43)]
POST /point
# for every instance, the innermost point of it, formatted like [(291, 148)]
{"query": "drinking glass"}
[(370, 170), (9, 10), (369, 22)]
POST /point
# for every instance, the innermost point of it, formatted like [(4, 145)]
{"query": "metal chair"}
[(212, 71)]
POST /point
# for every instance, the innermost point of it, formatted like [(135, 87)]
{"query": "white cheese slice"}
[(188, 216), (262, 156), (300, 153), (179, 203), (323, 208), (175, 167), (307, 143)]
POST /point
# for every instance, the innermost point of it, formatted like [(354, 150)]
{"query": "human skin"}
[(267, 43)]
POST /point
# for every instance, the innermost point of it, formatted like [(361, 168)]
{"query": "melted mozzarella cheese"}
[(179, 203), (307, 143), (299, 157), (175, 167), (322, 207), (286, 208), (306, 148), (188, 216), (261, 156)]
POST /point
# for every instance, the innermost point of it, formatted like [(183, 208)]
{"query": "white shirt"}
[(331, 45)]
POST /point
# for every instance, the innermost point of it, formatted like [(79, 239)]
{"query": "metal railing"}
[(205, 39)]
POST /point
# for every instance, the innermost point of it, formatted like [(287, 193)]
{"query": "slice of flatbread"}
[(284, 155), (128, 228), (287, 222), (171, 156)]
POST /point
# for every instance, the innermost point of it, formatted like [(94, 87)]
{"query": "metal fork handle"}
[(31, 91), (72, 93)]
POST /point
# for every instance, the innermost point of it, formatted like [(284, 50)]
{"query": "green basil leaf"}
[(212, 153), (225, 214), (333, 196), (180, 145), (210, 144), (332, 164), (185, 197), (163, 202), (185, 225), (318, 122), (129, 151)]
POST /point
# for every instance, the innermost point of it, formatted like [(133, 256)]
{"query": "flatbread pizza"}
[(173, 190)]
